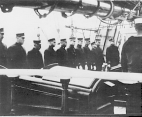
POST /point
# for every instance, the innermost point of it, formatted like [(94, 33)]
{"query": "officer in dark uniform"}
[(93, 55), (3, 50), (62, 53), (131, 61), (34, 56), (131, 56), (17, 54), (98, 55), (87, 53), (112, 54), (80, 54), (71, 53), (50, 54)]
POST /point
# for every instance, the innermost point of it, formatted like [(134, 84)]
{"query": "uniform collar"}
[(71, 46), (51, 47), (18, 44), (63, 47), (79, 46)]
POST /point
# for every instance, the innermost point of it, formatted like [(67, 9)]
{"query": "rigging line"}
[(98, 30), (107, 32), (79, 32), (83, 34), (43, 33)]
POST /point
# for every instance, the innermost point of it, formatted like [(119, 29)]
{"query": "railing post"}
[(64, 106)]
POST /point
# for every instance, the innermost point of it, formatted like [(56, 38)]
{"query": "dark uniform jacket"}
[(93, 56), (34, 58), (112, 55), (80, 56), (97, 57), (62, 56), (71, 56), (87, 53), (3, 55), (16, 57), (49, 56), (131, 56)]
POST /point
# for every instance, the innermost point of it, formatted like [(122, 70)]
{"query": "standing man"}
[(72, 53), (62, 53), (34, 56), (3, 50), (131, 61), (80, 54), (17, 54), (131, 56), (93, 55), (112, 54), (49, 53), (87, 53), (99, 56)]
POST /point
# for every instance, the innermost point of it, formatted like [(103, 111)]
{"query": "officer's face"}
[(94, 46), (1, 36), (53, 43), (37, 46), (64, 43), (98, 43), (20, 40), (80, 42), (72, 42), (87, 42)]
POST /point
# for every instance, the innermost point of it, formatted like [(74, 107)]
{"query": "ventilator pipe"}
[(103, 10), (107, 9)]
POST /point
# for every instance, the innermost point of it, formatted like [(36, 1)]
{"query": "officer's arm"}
[(124, 60), (107, 56), (77, 57), (29, 60), (46, 58), (10, 57), (69, 57), (58, 53)]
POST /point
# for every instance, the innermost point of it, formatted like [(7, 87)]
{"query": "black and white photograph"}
[(70, 57)]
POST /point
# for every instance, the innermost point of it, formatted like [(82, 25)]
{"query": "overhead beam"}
[(87, 7)]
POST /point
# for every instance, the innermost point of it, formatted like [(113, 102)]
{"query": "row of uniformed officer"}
[(16, 56), (70, 57)]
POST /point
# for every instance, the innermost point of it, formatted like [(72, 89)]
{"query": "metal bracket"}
[(131, 16), (45, 14), (6, 8), (110, 11), (74, 11), (118, 22), (94, 12)]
